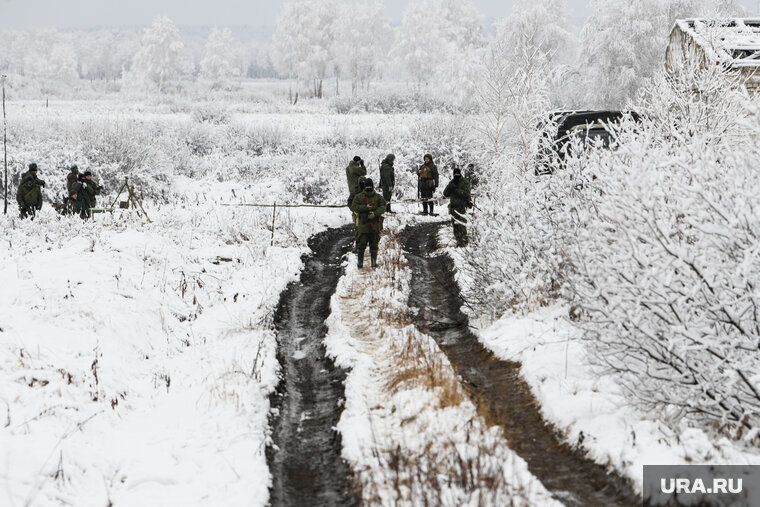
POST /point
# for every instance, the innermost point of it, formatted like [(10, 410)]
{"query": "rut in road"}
[(496, 387), (305, 458)]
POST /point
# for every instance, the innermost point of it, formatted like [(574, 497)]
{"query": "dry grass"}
[(419, 364)]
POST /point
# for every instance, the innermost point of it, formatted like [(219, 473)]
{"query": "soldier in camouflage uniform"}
[(77, 196), (91, 189), (29, 193), (388, 179), (427, 183), (355, 173), (458, 192), (72, 177), (369, 206)]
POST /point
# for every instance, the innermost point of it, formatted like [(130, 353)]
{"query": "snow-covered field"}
[(137, 358)]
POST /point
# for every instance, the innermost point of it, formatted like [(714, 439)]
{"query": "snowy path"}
[(501, 394), (305, 458), (410, 432)]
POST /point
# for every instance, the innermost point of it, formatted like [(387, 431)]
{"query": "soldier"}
[(427, 182), (80, 198), (72, 177), (388, 179), (355, 172), (369, 206), (91, 189), (458, 192), (29, 195)]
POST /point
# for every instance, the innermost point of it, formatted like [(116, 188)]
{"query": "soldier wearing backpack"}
[(29, 193)]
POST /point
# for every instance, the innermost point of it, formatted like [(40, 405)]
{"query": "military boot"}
[(431, 207), (373, 258), (360, 259)]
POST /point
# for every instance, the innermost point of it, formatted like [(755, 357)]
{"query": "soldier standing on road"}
[(355, 174), (29, 193), (458, 192), (427, 183), (369, 206), (388, 179)]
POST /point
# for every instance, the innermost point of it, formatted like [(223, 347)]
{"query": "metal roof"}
[(733, 42)]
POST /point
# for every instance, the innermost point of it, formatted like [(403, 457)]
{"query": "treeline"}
[(439, 47)]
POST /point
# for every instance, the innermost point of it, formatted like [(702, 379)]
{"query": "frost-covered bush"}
[(655, 245), (392, 102), (669, 261), (211, 113)]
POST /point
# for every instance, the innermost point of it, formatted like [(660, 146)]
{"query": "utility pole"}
[(5, 149)]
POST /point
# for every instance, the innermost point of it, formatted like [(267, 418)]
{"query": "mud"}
[(305, 456), (502, 396)]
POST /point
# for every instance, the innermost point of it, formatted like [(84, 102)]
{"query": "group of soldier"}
[(81, 191), (368, 207)]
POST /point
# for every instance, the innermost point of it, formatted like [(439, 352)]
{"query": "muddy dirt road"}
[(305, 460), (497, 388)]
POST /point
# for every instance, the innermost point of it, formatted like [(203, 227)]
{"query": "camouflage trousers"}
[(459, 223), (368, 238)]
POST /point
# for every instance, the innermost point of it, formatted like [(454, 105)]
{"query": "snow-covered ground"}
[(409, 430), (587, 405), (136, 359)]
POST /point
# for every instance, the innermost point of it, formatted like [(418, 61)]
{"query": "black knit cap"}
[(357, 158), (32, 166), (457, 171), (368, 183), (87, 173)]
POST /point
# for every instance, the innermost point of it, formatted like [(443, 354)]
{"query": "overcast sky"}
[(89, 13)]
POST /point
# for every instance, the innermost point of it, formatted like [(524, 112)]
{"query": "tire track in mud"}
[(496, 387), (305, 456)]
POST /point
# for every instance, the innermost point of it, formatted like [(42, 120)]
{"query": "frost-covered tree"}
[(158, 59), (418, 43), (540, 27), (363, 37), (437, 42), (304, 41), (623, 43), (728, 8), (217, 65), (63, 64), (539, 24)]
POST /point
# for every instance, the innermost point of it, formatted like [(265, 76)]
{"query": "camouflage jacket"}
[(458, 192), (365, 203), (354, 174)]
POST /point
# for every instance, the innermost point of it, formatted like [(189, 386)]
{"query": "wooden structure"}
[(733, 43)]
